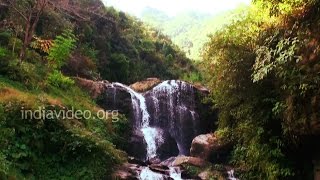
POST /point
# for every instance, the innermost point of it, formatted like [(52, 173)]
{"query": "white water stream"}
[(140, 112), (231, 175)]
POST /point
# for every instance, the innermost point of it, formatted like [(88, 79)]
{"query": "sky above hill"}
[(174, 7)]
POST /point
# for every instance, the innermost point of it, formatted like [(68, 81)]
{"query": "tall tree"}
[(29, 11)]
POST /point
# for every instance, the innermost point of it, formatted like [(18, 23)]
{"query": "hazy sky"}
[(172, 7)]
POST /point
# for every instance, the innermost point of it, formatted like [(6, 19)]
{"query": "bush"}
[(57, 79), (62, 48), (4, 38), (51, 148)]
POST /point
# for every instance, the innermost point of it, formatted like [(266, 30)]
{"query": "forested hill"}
[(109, 44), (189, 30)]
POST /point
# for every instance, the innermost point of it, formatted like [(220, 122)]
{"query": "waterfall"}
[(174, 102), (165, 120), (151, 135), (231, 175), (139, 105), (148, 174), (175, 173)]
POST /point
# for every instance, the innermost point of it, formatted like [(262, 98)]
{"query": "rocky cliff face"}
[(175, 111), (175, 107), (164, 119)]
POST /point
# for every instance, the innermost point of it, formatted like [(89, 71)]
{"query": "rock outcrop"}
[(127, 171), (174, 108), (138, 145), (209, 147), (177, 107), (94, 88), (145, 85), (187, 160)]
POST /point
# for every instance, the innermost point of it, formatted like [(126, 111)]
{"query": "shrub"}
[(57, 79), (4, 38), (62, 48)]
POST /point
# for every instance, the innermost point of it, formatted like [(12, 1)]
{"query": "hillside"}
[(188, 30), (45, 46)]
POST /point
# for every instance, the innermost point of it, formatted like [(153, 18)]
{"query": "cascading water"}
[(231, 175), (175, 173), (147, 174), (151, 135), (172, 104), (167, 118)]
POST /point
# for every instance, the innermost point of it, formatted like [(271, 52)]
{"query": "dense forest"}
[(264, 76), (260, 64)]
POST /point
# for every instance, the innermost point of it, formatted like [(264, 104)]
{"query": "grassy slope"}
[(49, 149)]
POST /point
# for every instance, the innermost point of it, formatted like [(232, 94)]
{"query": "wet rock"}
[(154, 160), (137, 146), (127, 171), (115, 98), (168, 147), (210, 148), (133, 160), (160, 169), (187, 160), (175, 106), (168, 162)]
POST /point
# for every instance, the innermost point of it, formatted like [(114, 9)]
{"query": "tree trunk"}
[(30, 28), (26, 38)]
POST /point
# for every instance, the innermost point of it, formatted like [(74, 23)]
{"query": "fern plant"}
[(62, 48)]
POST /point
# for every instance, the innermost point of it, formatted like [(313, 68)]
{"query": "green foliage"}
[(188, 30), (262, 73), (4, 37), (193, 77), (121, 135), (62, 48), (89, 52), (3, 52), (283, 53), (28, 73), (54, 148), (57, 79), (192, 170), (261, 159), (120, 66)]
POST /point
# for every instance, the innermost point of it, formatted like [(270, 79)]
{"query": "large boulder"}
[(115, 98), (168, 147), (127, 171), (187, 160), (94, 88), (145, 85), (209, 147), (137, 146)]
